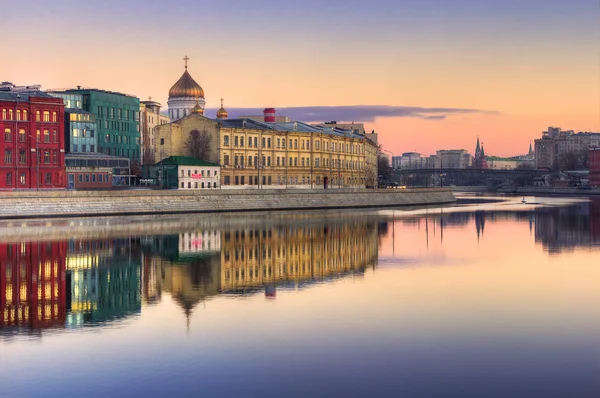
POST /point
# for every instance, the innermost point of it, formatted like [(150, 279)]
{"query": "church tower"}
[(185, 95)]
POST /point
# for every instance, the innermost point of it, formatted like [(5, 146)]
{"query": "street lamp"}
[(37, 162)]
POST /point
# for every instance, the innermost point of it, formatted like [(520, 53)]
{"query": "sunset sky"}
[(426, 75)]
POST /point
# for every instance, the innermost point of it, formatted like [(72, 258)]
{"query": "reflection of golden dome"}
[(222, 113), (198, 109), (186, 86)]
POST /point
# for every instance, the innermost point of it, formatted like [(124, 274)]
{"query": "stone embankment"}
[(548, 191), (16, 205)]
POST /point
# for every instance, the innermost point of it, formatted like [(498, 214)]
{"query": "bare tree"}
[(148, 156), (197, 145)]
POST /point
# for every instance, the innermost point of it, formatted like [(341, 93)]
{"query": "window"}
[(106, 138), (75, 148), (226, 140), (7, 135), (9, 179), (269, 143), (226, 160), (278, 161), (215, 174), (94, 178), (54, 118), (7, 156), (48, 179), (183, 185), (22, 156), (46, 116), (55, 136), (10, 114), (87, 177), (242, 180), (18, 114), (226, 180), (80, 177), (47, 157), (189, 184), (214, 184), (3, 114), (100, 178), (296, 144), (46, 136), (37, 116), (75, 132), (23, 179), (242, 141), (54, 157)]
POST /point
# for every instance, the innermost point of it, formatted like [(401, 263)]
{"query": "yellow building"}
[(271, 154)]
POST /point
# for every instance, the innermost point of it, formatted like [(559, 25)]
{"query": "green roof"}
[(186, 161)]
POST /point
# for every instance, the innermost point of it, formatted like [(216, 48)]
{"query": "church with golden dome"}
[(185, 95), (265, 153)]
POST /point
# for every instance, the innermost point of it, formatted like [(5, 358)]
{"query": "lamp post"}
[(37, 162)]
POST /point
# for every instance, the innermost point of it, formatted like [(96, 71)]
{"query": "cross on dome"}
[(186, 59)]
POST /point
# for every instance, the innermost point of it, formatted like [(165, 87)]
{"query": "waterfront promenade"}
[(21, 205)]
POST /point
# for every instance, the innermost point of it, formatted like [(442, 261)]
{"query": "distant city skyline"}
[(424, 75)]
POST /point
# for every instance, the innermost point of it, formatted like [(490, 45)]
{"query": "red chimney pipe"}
[(269, 115)]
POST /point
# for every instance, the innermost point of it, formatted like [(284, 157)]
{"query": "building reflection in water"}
[(198, 265), (568, 227), (104, 280), (32, 284)]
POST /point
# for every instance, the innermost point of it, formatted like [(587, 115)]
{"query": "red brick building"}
[(33, 284), (595, 167), (32, 142)]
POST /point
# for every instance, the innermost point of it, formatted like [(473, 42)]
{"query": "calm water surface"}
[(476, 300)]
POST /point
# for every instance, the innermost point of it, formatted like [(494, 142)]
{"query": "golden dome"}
[(222, 113), (198, 109), (186, 86)]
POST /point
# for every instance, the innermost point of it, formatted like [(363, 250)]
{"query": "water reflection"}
[(76, 283)]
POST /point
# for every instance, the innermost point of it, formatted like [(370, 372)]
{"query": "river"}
[(479, 299)]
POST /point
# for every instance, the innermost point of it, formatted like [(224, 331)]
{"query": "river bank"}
[(23, 205), (548, 191)]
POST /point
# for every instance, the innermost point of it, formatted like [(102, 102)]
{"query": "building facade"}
[(452, 159), (32, 141), (150, 117), (182, 172), (557, 145), (117, 119), (595, 166), (409, 161)]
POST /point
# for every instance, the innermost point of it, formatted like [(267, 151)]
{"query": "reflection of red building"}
[(32, 284), (595, 167), (31, 123), (595, 218)]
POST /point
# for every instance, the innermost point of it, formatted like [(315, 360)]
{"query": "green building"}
[(117, 117)]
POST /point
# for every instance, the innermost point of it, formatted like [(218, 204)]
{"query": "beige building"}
[(274, 155), (150, 117)]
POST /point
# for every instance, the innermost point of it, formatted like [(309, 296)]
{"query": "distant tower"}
[(530, 149), (479, 161), (222, 113)]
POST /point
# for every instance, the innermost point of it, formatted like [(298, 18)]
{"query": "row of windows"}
[(202, 185), (120, 126), (99, 178), (203, 173), (45, 178), (293, 180), (84, 148), (293, 162), (118, 113), (121, 139), (128, 153), (238, 141), (48, 155), (21, 114), (8, 136)]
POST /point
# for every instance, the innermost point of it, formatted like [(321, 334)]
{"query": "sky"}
[(425, 75)]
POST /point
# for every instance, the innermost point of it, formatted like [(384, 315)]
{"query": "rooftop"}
[(84, 89), (22, 96), (186, 161)]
